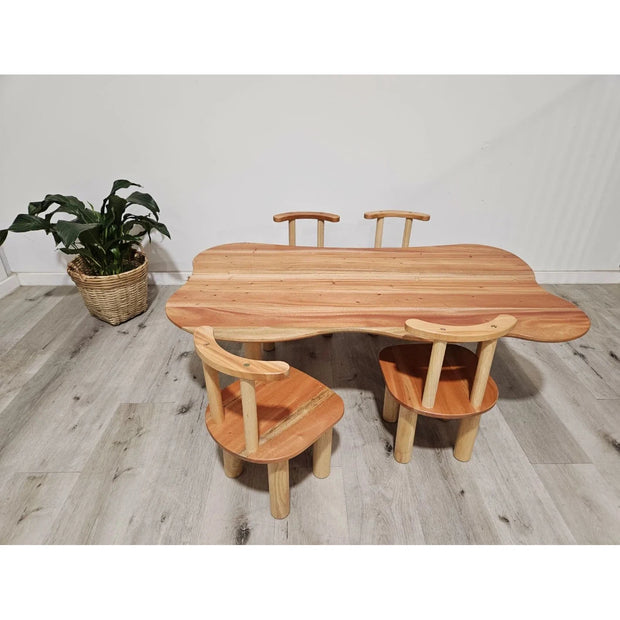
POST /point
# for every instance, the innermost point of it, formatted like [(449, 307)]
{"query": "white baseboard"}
[(8, 285), (179, 277)]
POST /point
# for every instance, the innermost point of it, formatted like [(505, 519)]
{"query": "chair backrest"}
[(319, 216), (408, 216), (215, 360), (485, 334)]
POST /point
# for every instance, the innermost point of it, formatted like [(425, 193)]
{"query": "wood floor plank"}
[(520, 505), (139, 487), (29, 504), (588, 504), (236, 510), (595, 357), (446, 497), (535, 422), (26, 306), (380, 506), (318, 510), (593, 423), (55, 420), (42, 340)]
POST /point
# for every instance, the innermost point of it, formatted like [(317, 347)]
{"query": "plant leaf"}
[(118, 184), (148, 224), (122, 184), (70, 231), (3, 235), (68, 204), (144, 200), (24, 223), (34, 208)]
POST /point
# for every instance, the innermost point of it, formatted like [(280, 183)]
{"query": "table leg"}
[(253, 350)]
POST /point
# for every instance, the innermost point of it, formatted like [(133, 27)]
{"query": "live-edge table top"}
[(251, 292)]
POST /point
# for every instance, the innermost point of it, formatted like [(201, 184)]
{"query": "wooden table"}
[(252, 292)]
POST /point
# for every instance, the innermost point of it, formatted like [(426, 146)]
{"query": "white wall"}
[(527, 163)]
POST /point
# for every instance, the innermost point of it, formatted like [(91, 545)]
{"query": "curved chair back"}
[(292, 216), (408, 216), (214, 360), (485, 334)]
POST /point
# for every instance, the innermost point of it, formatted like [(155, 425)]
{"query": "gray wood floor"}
[(102, 440)]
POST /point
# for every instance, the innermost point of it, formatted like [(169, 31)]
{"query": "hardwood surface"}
[(264, 293), (102, 440), (295, 412), (405, 368)]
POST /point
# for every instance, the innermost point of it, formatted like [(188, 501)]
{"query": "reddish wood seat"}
[(292, 414), (405, 368), (273, 413), (441, 381)]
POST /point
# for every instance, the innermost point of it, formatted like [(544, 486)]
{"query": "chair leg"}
[(233, 465), (322, 455), (279, 489), (390, 407), (405, 432), (466, 437), (269, 346)]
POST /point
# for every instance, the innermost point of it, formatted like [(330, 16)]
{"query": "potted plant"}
[(110, 269)]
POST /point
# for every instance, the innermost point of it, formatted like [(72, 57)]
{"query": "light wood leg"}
[(390, 407), (466, 437), (405, 432), (322, 455), (279, 489), (269, 346), (253, 350), (233, 465)]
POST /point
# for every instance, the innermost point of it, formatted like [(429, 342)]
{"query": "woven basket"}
[(113, 299)]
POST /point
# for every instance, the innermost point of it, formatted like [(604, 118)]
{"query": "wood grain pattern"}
[(216, 357), (408, 216), (260, 293), (321, 217), (435, 332), (405, 367), (413, 215), (293, 414)]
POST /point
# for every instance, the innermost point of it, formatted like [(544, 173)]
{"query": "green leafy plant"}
[(106, 239)]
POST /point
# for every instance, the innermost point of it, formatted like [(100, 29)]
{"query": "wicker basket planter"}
[(113, 299)]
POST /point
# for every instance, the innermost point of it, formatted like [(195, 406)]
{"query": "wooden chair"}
[(408, 216), (440, 381), (273, 413), (292, 216)]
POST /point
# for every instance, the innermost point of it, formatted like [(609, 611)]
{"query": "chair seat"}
[(292, 414), (405, 367)]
